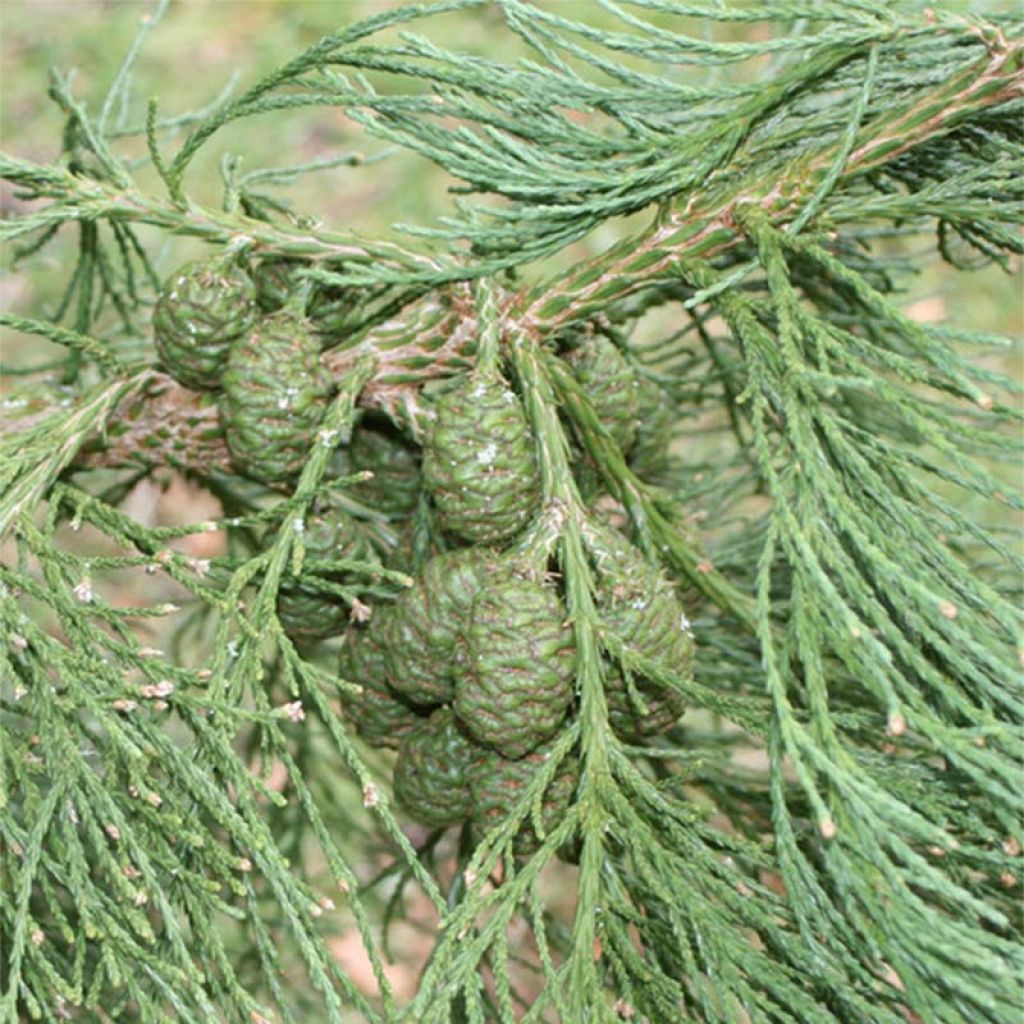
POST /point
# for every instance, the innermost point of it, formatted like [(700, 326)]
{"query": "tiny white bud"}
[(371, 795), (897, 725), (293, 711), (360, 612)]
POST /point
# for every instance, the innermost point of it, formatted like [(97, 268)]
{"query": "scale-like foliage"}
[(833, 831)]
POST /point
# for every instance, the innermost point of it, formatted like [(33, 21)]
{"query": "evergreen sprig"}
[(834, 833)]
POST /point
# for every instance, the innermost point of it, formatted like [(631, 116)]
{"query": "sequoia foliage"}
[(680, 572)]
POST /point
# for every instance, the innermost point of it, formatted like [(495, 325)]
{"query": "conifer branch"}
[(833, 833)]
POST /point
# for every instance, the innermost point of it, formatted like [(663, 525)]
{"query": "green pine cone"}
[(394, 490), (308, 615), (612, 386), (640, 607), (379, 714), (276, 281), (514, 679), (275, 394), (431, 780), (479, 462), (305, 613), (202, 309), (496, 784), (649, 455), (426, 623)]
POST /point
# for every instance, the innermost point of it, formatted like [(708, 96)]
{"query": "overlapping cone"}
[(308, 613), (380, 715), (496, 785), (515, 671), (431, 771), (479, 463), (275, 395), (427, 621), (202, 309), (611, 385), (640, 608)]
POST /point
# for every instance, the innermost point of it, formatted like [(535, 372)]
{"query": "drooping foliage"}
[(821, 483)]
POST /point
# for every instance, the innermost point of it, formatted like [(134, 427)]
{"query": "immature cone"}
[(202, 309), (479, 462), (427, 621), (306, 613), (275, 394), (276, 280), (496, 784), (514, 678), (394, 489), (430, 779), (611, 385), (380, 716), (640, 608), (649, 455)]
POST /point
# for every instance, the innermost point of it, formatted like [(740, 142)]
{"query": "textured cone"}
[(611, 385), (479, 462), (431, 771), (649, 455), (307, 614), (276, 281), (496, 784), (395, 488), (202, 309), (379, 715), (514, 679), (275, 394), (640, 607), (426, 622)]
